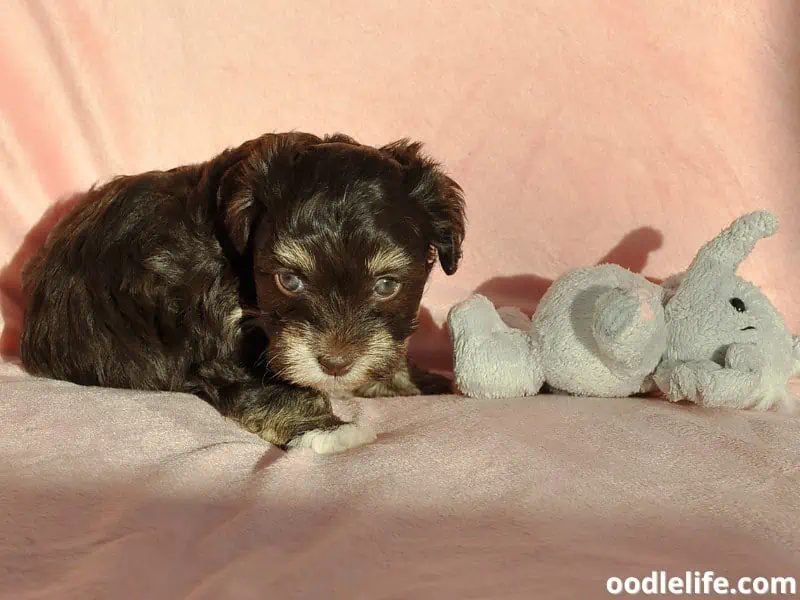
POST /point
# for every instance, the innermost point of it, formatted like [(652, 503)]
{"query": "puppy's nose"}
[(335, 364)]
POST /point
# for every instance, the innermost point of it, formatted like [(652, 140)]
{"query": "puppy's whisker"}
[(269, 362), (262, 359), (281, 374)]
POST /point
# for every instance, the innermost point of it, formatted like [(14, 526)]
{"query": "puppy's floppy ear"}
[(441, 199), (261, 165)]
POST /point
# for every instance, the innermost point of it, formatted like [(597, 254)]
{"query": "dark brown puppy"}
[(263, 280)]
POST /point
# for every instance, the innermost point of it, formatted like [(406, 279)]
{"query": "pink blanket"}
[(581, 131)]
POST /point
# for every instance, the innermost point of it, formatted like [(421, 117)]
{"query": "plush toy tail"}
[(796, 355)]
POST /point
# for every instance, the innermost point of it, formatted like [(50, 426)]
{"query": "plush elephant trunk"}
[(722, 256)]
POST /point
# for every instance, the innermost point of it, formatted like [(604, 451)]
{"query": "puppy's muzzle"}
[(336, 358), (335, 365)]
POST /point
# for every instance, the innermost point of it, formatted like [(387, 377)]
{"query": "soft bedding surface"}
[(581, 131), (131, 495)]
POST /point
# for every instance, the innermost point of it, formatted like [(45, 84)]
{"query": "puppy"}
[(263, 281)]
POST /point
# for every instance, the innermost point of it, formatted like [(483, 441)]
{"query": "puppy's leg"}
[(429, 384), (408, 380), (292, 417)]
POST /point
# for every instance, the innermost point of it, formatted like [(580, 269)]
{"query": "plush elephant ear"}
[(440, 198), (720, 257)]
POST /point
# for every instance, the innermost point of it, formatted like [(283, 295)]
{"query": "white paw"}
[(336, 440)]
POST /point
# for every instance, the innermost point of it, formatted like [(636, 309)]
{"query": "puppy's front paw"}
[(332, 441), (433, 384), (409, 380), (399, 386)]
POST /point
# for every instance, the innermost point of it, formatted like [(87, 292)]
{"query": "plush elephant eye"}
[(738, 304)]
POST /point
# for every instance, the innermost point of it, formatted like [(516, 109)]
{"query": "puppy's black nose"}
[(335, 364)]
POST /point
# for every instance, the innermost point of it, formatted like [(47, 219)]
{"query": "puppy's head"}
[(342, 238)]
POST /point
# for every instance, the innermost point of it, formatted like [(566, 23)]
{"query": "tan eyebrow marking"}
[(388, 260), (293, 254)]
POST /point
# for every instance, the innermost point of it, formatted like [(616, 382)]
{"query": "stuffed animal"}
[(705, 335)]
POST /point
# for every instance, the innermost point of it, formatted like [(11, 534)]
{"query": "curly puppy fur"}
[(263, 280)]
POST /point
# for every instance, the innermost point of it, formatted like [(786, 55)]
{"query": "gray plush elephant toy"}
[(705, 335)]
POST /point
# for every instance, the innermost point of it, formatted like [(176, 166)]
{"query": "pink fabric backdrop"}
[(581, 130), (574, 127)]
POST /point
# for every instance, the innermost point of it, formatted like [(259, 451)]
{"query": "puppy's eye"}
[(738, 304), (386, 288), (289, 283)]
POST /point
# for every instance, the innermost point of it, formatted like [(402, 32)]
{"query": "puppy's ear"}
[(259, 166), (441, 199)]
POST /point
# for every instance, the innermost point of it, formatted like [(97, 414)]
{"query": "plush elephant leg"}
[(491, 359), (629, 328), (708, 384)]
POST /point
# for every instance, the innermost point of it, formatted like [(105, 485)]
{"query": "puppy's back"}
[(111, 295)]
